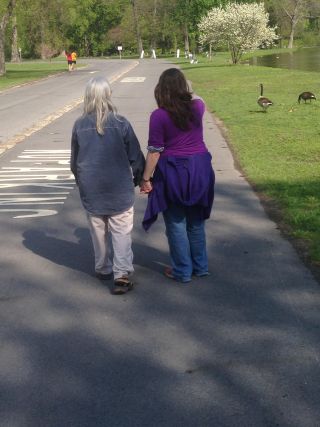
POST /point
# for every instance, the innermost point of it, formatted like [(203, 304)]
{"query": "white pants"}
[(111, 238)]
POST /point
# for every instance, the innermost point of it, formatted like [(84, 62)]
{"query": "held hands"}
[(145, 186)]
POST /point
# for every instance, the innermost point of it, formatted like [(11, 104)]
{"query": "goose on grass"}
[(305, 96), (263, 101)]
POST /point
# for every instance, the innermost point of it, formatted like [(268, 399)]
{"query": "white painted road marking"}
[(133, 80), (49, 177), (62, 185), (36, 213), (31, 169), (27, 176)]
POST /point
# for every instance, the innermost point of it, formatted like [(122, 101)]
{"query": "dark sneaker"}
[(122, 286)]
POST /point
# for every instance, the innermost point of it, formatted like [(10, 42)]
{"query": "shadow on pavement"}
[(70, 254)]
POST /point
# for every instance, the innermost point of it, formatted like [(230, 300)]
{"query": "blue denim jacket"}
[(106, 167)]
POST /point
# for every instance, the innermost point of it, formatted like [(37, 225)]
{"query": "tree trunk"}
[(3, 24), (136, 25), (232, 54), (294, 14), (43, 41), (15, 57), (186, 38), (291, 37), (86, 46), (175, 43), (2, 58), (235, 54), (154, 22)]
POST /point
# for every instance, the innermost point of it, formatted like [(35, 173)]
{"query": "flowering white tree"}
[(242, 27), (211, 27)]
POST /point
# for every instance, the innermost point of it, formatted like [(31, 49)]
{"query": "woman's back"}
[(164, 133), (103, 170)]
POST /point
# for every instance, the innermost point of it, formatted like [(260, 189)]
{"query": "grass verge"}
[(17, 74), (279, 151)]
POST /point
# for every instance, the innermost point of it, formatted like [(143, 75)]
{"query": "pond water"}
[(307, 59)]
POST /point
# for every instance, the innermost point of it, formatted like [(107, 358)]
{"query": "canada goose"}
[(263, 101), (305, 96)]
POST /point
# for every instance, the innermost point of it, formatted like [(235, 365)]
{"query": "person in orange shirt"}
[(74, 60), (69, 60)]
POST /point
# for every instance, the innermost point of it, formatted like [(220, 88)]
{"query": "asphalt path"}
[(29, 107), (239, 348)]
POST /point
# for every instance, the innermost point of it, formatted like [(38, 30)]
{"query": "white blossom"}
[(242, 27)]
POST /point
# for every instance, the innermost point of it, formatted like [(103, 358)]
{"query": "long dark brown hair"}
[(173, 94)]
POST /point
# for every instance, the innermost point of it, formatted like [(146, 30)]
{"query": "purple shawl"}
[(182, 180)]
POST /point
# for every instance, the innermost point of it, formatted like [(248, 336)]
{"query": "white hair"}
[(97, 100)]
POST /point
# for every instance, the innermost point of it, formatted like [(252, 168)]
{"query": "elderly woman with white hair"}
[(107, 162)]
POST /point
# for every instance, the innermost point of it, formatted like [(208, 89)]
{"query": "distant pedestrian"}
[(107, 163), (74, 59), (69, 60), (178, 175)]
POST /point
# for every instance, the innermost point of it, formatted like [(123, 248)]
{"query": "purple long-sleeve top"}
[(166, 137), (184, 173)]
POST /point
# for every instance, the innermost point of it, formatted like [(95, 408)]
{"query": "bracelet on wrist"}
[(145, 180)]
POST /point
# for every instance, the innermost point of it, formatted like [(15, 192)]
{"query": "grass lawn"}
[(279, 151), (17, 74)]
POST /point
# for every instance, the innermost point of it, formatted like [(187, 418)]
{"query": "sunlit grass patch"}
[(24, 72)]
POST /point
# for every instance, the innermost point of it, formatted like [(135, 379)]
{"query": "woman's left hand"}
[(145, 187)]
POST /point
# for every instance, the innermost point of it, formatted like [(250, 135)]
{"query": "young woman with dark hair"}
[(182, 186), (172, 93)]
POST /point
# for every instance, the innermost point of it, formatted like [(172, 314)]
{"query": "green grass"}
[(279, 151), (24, 72)]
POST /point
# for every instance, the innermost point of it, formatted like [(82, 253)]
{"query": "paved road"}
[(240, 348), (24, 109)]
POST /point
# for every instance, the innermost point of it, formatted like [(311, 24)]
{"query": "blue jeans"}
[(187, 242)]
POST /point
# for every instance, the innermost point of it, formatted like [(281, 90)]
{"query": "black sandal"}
[(122, 286)]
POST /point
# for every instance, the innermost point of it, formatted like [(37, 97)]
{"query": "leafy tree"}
[(289, 15), (89, 23), (188, 13), (241, 27), (41, 26), (313, 12), (145, 24), (44, 28), (294, 11)]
